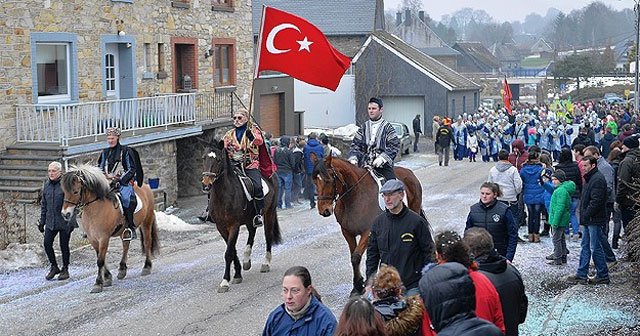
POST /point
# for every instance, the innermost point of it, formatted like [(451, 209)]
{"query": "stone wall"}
[(146, 21)]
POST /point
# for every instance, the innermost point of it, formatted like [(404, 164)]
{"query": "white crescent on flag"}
[(272, 35)]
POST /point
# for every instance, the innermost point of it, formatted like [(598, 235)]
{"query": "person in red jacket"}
[(451, 248)]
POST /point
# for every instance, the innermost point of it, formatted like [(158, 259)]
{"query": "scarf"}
[(240, 132), (297, 315)]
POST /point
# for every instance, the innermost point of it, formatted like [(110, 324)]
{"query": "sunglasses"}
[(238, 117)]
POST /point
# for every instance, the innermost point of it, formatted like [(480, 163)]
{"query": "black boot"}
[(204, 216), (64, 273), (130, 232), (257, 219), (52, 272)]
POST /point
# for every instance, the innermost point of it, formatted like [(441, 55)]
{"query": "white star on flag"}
[(304, 44)]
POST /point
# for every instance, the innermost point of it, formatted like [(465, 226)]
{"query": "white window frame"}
[(59, 98)]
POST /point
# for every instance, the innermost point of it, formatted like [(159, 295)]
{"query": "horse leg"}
[(246, 257), (271, 235), (147, 239), (356, 257), (355, 263), (108, 280), (224, 284), (101, 252), (237, 270), (122, 270)]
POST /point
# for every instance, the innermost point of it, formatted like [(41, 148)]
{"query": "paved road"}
[(180, 297)]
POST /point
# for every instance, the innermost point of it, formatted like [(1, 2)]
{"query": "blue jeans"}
[(297, 186), (609, 256), (284, 182), (533, 221), (591, 247), (575, 223)]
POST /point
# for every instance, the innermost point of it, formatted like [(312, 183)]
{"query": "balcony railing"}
[(64, 122)]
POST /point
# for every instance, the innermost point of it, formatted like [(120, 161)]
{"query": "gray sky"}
[(506, 10)]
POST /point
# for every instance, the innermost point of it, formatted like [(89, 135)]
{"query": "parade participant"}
[(52, 223), (592, 216), (399, 237), (417, 131), (503, 275), (520, 129), (302, 312), (376, 142), (565, 132), (242, 143), (495, 217), (472, 144), (444, 138), (459, 139), (119, 166), (560, 215)]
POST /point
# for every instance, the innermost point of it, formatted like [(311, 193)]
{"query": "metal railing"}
[(64, 122)]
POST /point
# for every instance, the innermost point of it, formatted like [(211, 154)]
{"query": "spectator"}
[(507, 177), (449, 296), (302, 312), (298, 170), (560, 215), (312, 146), (572, 172), (605, 142), (592, 216), (285, 162), (496, 218), (614, 160), (444, 138), (417, 131), (583, 138), (503, 275), (52, 224), (547, 164), (328, 148), (451, 248), (518, 157), (402, 316), (533, 194), (400, 238), (359, 318), (628, 172)]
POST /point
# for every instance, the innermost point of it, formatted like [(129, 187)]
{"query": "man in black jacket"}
[(400, 238), (628, 171), (283, 159), (444, 138), (503, 275), (593, 214), (417, 131)]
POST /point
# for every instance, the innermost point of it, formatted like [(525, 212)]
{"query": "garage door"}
[(270, 114), (403, 110)]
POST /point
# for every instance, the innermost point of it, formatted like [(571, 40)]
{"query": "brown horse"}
[(229, 209), (352, 194), (87, 189)]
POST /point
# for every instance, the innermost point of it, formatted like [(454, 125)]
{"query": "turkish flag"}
[(291, 45), (507, 96)]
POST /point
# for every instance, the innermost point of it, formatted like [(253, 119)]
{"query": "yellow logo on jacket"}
[(407, 237)]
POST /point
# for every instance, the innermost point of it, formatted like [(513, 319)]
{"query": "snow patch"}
[(172, 223), (17, 256)]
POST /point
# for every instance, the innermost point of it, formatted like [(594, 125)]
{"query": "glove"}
[(41, 227), (378, 162), (353, 160)]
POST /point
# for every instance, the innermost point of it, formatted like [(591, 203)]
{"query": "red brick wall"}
[(188, 47)]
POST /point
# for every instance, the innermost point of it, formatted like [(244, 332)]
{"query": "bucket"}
[(154, 182)]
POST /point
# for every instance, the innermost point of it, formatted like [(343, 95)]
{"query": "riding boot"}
[(130, 232), (257, 220)]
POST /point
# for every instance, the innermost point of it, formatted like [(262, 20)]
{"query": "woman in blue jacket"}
[(302, 313), (533, 194)]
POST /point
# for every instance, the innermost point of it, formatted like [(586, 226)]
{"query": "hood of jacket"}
[(314, 143), (531, 170), (502, 166), (518, 144), (401, 317), (569, 186), (492, 263)]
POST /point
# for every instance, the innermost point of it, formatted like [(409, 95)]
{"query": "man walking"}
[(592, 216), (444, 137), (417, 131), (400, 238), (285, 162)]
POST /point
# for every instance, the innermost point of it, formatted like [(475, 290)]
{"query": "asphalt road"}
[(180, 296)]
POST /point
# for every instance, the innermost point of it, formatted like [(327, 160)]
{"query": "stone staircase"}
[(23, 169)]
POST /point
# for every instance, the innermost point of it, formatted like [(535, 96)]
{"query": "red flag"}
[(507, 96), (291, 45)]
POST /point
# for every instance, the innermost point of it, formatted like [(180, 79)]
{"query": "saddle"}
[(247, 186), (139, 204), (380, 181)]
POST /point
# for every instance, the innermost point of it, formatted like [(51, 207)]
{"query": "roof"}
[(541, 46), (478, 54), (439, 51), (332, 17), (426, 64), (505, 51)]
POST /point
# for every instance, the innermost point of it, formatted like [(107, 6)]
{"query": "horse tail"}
[(275, 232), (424, 215)]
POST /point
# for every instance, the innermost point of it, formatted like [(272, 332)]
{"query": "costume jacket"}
[(386, 143), (244, 150)]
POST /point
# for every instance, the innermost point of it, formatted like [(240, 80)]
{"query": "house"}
[(476, 58), (409, 82), (347, 24), (414, 30), (507, 54), (164, 72)]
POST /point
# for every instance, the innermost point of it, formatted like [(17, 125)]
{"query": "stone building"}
[(164, 71)]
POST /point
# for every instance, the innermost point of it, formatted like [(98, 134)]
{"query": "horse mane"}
[(321, 168), (93, 179)]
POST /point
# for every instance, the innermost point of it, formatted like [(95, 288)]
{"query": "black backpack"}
[(135, 156)]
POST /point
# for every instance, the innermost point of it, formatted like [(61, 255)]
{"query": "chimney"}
[(398, 18), (421, 15), (407, 17)]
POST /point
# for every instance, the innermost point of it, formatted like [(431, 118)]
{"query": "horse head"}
[(83, 185), (73, 187), (328, 183), (214, 162)]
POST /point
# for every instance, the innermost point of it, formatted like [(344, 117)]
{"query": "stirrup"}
[(127, 234), (257, 221)]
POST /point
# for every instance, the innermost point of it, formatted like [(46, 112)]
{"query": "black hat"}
[(630, 142), (376, 100), (560, 175)]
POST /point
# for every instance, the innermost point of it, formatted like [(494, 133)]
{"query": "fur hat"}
[(116, 131)]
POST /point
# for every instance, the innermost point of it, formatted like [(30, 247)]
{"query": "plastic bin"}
[(154, 183)]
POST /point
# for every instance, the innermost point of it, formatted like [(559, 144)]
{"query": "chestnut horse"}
[(87, 189), (352, 194), (229, 209)]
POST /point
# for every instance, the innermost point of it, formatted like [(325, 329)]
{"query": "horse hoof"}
[(246, 265), (236, 281), (146, 271), (223, 289), (108, 282), (122, 274), (265, 268), (96, 289)]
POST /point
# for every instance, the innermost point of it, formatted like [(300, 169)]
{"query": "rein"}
[(336, 196), (80, 204)]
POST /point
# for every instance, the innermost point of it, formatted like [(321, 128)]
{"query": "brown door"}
[(270, 114)]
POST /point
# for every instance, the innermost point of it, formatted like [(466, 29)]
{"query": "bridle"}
[(335, 197), (81, 203)]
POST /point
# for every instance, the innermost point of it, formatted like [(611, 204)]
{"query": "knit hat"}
[(560, 175), (631, 142), (116, 132)]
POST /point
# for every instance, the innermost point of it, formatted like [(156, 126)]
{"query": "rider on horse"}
[(242, 143), (120, 168), (376, 143)]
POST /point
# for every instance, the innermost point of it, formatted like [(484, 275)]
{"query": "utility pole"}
[(636, 8)]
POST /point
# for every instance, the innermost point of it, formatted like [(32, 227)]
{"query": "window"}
[(52, 62), (224, 62), (110, 72), (226, 5), (146, 57)]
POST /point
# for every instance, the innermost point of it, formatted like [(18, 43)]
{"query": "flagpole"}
[(255, 69)]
